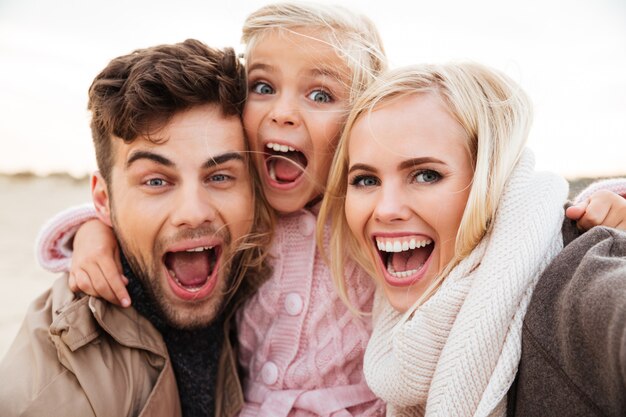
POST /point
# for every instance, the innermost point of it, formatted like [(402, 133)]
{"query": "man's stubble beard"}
[(153, 282)]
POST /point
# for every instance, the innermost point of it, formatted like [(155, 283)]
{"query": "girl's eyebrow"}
[(259, 66)]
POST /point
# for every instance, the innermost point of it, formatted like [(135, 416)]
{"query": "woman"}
[(444, 210)]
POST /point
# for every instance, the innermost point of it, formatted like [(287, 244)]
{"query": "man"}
[(175, 184), (573, 360)]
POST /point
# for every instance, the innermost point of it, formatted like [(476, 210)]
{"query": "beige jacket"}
[(81, 356)]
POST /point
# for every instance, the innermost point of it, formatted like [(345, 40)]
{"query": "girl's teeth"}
[(280, 148), (271, 172)]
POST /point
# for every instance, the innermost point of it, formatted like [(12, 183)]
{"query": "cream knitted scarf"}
[(458, 353)]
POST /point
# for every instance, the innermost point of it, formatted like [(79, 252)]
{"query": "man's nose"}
[(193, 206)]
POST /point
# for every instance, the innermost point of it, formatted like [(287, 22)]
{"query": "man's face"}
[(180, 208)]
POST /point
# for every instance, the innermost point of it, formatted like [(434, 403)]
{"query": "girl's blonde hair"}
[(353, 36), (496, 116)]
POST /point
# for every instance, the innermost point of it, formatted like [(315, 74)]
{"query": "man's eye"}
[(220, 178), (156, 182), (427, 176), (320, 96), (262, 88)]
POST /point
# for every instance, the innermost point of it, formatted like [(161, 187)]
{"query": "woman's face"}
[(409, 176)]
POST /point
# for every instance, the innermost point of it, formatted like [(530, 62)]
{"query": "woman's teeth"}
[(401, 274), (400, 245)]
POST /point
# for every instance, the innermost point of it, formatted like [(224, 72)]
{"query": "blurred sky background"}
[(570, 55)]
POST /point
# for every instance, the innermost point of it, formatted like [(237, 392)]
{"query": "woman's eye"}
[(156, 182), (427, 176), (320, 96), (262, 88), (364, 181)]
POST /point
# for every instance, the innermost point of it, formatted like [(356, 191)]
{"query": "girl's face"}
[(297, 102), (408, 183)]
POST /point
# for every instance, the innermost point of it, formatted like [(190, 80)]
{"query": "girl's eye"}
[(364, 181), (262, 88), (320, 96), (156, 182), (427, 176)]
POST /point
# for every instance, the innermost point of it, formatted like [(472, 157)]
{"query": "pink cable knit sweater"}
[(300, 347)]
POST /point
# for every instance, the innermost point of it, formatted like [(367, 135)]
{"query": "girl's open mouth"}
[(284, 163), (404, 259), (192, 272)]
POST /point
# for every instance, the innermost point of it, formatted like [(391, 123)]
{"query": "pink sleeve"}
[(53, 249), (617, 185)]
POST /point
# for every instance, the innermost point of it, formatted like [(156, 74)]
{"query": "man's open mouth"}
[(193, 270), (404, 258), (284, 164)]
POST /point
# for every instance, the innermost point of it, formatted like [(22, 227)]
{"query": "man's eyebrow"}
[(154, 157), (223, 158)]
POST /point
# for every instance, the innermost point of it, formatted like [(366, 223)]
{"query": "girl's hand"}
[(96, 267), (602, 208)]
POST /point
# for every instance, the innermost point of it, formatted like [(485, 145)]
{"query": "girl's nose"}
[(285, 112)]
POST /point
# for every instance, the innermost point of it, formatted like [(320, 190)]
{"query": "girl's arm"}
[(603, 203), (75, 241)]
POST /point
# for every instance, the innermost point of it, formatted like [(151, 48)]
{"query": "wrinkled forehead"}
[(188, 139)]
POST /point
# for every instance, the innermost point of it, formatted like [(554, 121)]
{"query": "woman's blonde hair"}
[(353, 36), (496, 116)]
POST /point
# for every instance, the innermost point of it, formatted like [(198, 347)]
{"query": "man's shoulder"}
[(573, 349), (63, 354)]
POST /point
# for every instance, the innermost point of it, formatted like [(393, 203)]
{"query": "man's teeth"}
[(280, 148), (199, 249), (399, 245)]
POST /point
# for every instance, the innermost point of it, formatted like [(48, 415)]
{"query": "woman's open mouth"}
[(404, 259), (284, 164), (193, 272)]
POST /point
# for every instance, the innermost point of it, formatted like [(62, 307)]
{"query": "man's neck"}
[(194, 353)]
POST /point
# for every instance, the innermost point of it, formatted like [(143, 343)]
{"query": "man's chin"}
[(191, 315)]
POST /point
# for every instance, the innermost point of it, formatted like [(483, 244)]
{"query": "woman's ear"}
[(101, 198)]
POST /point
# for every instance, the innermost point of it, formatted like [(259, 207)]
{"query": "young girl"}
[(433, 192), (300, 347)]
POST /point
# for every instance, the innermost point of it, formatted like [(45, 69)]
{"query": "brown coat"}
[(81, 356)]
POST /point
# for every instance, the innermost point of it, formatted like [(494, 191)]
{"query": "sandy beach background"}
[(27, 202)]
